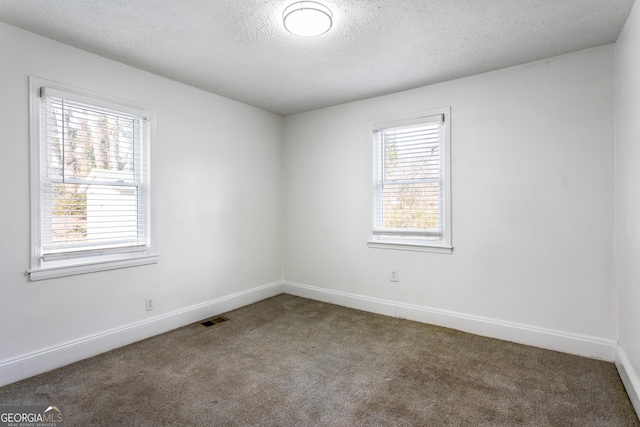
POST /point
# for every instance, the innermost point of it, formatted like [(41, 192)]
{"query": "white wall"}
[(219, 208), (628, 202), (532, 179)]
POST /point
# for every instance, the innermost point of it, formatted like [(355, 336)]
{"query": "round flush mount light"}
[(307, 18)]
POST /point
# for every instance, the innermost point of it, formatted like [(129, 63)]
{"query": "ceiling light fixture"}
[(307, 18)]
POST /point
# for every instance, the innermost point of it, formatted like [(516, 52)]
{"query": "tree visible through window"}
[(410, 181), (90, 166), (91, 194)]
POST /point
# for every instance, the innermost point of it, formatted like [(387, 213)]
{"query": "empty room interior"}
[(431, 180)]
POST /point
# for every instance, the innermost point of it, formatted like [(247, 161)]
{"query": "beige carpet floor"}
[(289, 361)]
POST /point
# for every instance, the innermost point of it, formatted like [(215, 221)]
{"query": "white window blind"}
[(93, 167), (410, 180)]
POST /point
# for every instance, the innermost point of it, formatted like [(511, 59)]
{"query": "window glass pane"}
[(89, 143), (412, 153), (93, 168), (412, 206), (91, 215)]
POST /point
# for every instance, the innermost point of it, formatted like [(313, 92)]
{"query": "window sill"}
[(43, 273), (409, 246)]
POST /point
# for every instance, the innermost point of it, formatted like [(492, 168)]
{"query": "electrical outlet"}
[(149, 304), (394, 277)]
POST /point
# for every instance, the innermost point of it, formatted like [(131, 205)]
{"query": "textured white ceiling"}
[(239, 48)]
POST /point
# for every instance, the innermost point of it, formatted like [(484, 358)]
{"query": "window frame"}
[(443, 245), (52, 265)]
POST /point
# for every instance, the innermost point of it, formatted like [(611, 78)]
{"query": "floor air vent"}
[(214, 321)]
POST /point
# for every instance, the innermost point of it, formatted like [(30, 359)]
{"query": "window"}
[(91, 193), (411, 185)]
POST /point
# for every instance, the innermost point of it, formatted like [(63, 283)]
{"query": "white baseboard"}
[(630, 378), (16, 369), (566, 342), (19, 368)]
